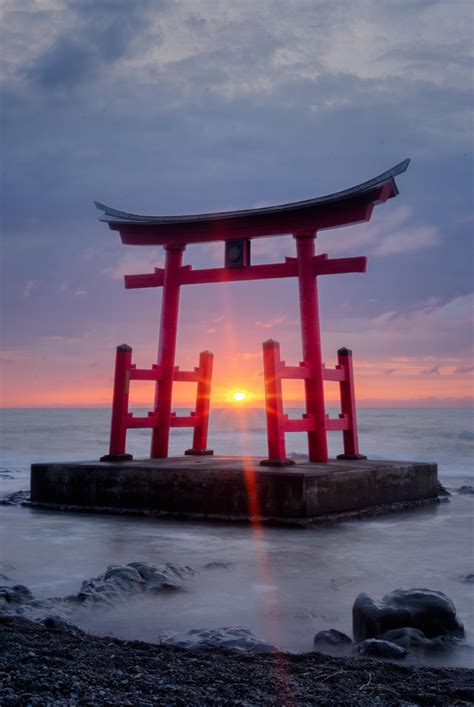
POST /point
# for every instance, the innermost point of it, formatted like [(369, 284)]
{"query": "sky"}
[(175, 107)]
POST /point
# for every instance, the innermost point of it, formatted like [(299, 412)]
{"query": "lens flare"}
[(239, 396)]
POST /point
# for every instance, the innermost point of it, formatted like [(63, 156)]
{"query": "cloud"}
[(135, 262), (271, 323), (462, 370), (187, 107), (30, 287), (433, 371), (408, 241), (97, 33), (390, 233)]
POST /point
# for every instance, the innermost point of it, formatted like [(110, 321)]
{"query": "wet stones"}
[(416, 619), (119, 581), (116, 584), (378, 648), (218, 565), (427, 610), (332, 639), (468, 578), (442, 490), (407, 638), (232, 637), (13, 595), (466, 490)]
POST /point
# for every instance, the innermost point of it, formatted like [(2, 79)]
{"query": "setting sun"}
[(239, 396)]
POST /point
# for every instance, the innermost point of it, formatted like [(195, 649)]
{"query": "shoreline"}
[(62, 665)]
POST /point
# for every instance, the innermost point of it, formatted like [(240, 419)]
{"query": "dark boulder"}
[(407, 638), (427, 610), (332, 638), (442, 490), (218, 565), (56, 623), (14, 595), (413, 639), (376, 648), (466, 490), (233, 637), (468, 579)]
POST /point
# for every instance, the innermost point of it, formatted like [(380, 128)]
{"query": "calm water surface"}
[(282, 584)]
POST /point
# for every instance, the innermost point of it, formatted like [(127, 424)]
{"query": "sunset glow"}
[(408, 319), (239, 396)]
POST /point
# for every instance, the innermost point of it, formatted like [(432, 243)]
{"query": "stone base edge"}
[(302, 523)]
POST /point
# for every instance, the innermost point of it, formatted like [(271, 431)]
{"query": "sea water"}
[(282, 584)]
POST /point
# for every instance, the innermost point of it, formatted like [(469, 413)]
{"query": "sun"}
[(239, 396)]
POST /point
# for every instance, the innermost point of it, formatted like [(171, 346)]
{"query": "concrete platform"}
[(234, 488)]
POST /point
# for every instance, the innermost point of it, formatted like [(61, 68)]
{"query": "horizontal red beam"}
[(155, 279), (149, 422), (343, 423), (186, 376), (184, 421), (338, 266), (295, 372), (251, 272), (145, 374), (322, 266), (306, 424), (334, 374)]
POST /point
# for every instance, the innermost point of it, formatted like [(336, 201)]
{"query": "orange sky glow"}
[(376, 385)]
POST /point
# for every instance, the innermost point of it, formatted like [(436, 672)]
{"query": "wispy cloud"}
[(433, 371), (408, 241), (270, 323), (30, 287)]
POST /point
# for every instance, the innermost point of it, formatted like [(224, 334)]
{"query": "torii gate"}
[(303, 219)]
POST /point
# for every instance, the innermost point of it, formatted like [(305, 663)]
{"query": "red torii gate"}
[(236, 228)]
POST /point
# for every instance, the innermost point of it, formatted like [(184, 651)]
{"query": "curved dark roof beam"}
[(342, 208)]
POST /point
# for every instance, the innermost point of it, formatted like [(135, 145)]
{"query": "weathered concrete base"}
[(234, 488)]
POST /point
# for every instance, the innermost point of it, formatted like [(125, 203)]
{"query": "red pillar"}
[(203, 402), (348, 407), (311, 339), (167, 349), (274, 406), (118, 427)]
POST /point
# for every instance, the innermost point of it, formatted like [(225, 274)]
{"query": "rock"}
[(218, 565), (333, 638), (116, 584), (430, 611), (466, 490), (13, 596), (442, 490), (407, 638), (15, 499), (443, 643), (412, 638), (143, 568), (56, 622), (233, 637), (468, 579), (377, 648), (297, 455), (120, 581)]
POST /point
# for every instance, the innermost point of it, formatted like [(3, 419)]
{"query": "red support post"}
[(274, 406), (311, 339), (167, 349), (203, 402), (348, 407), (118, 428)]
